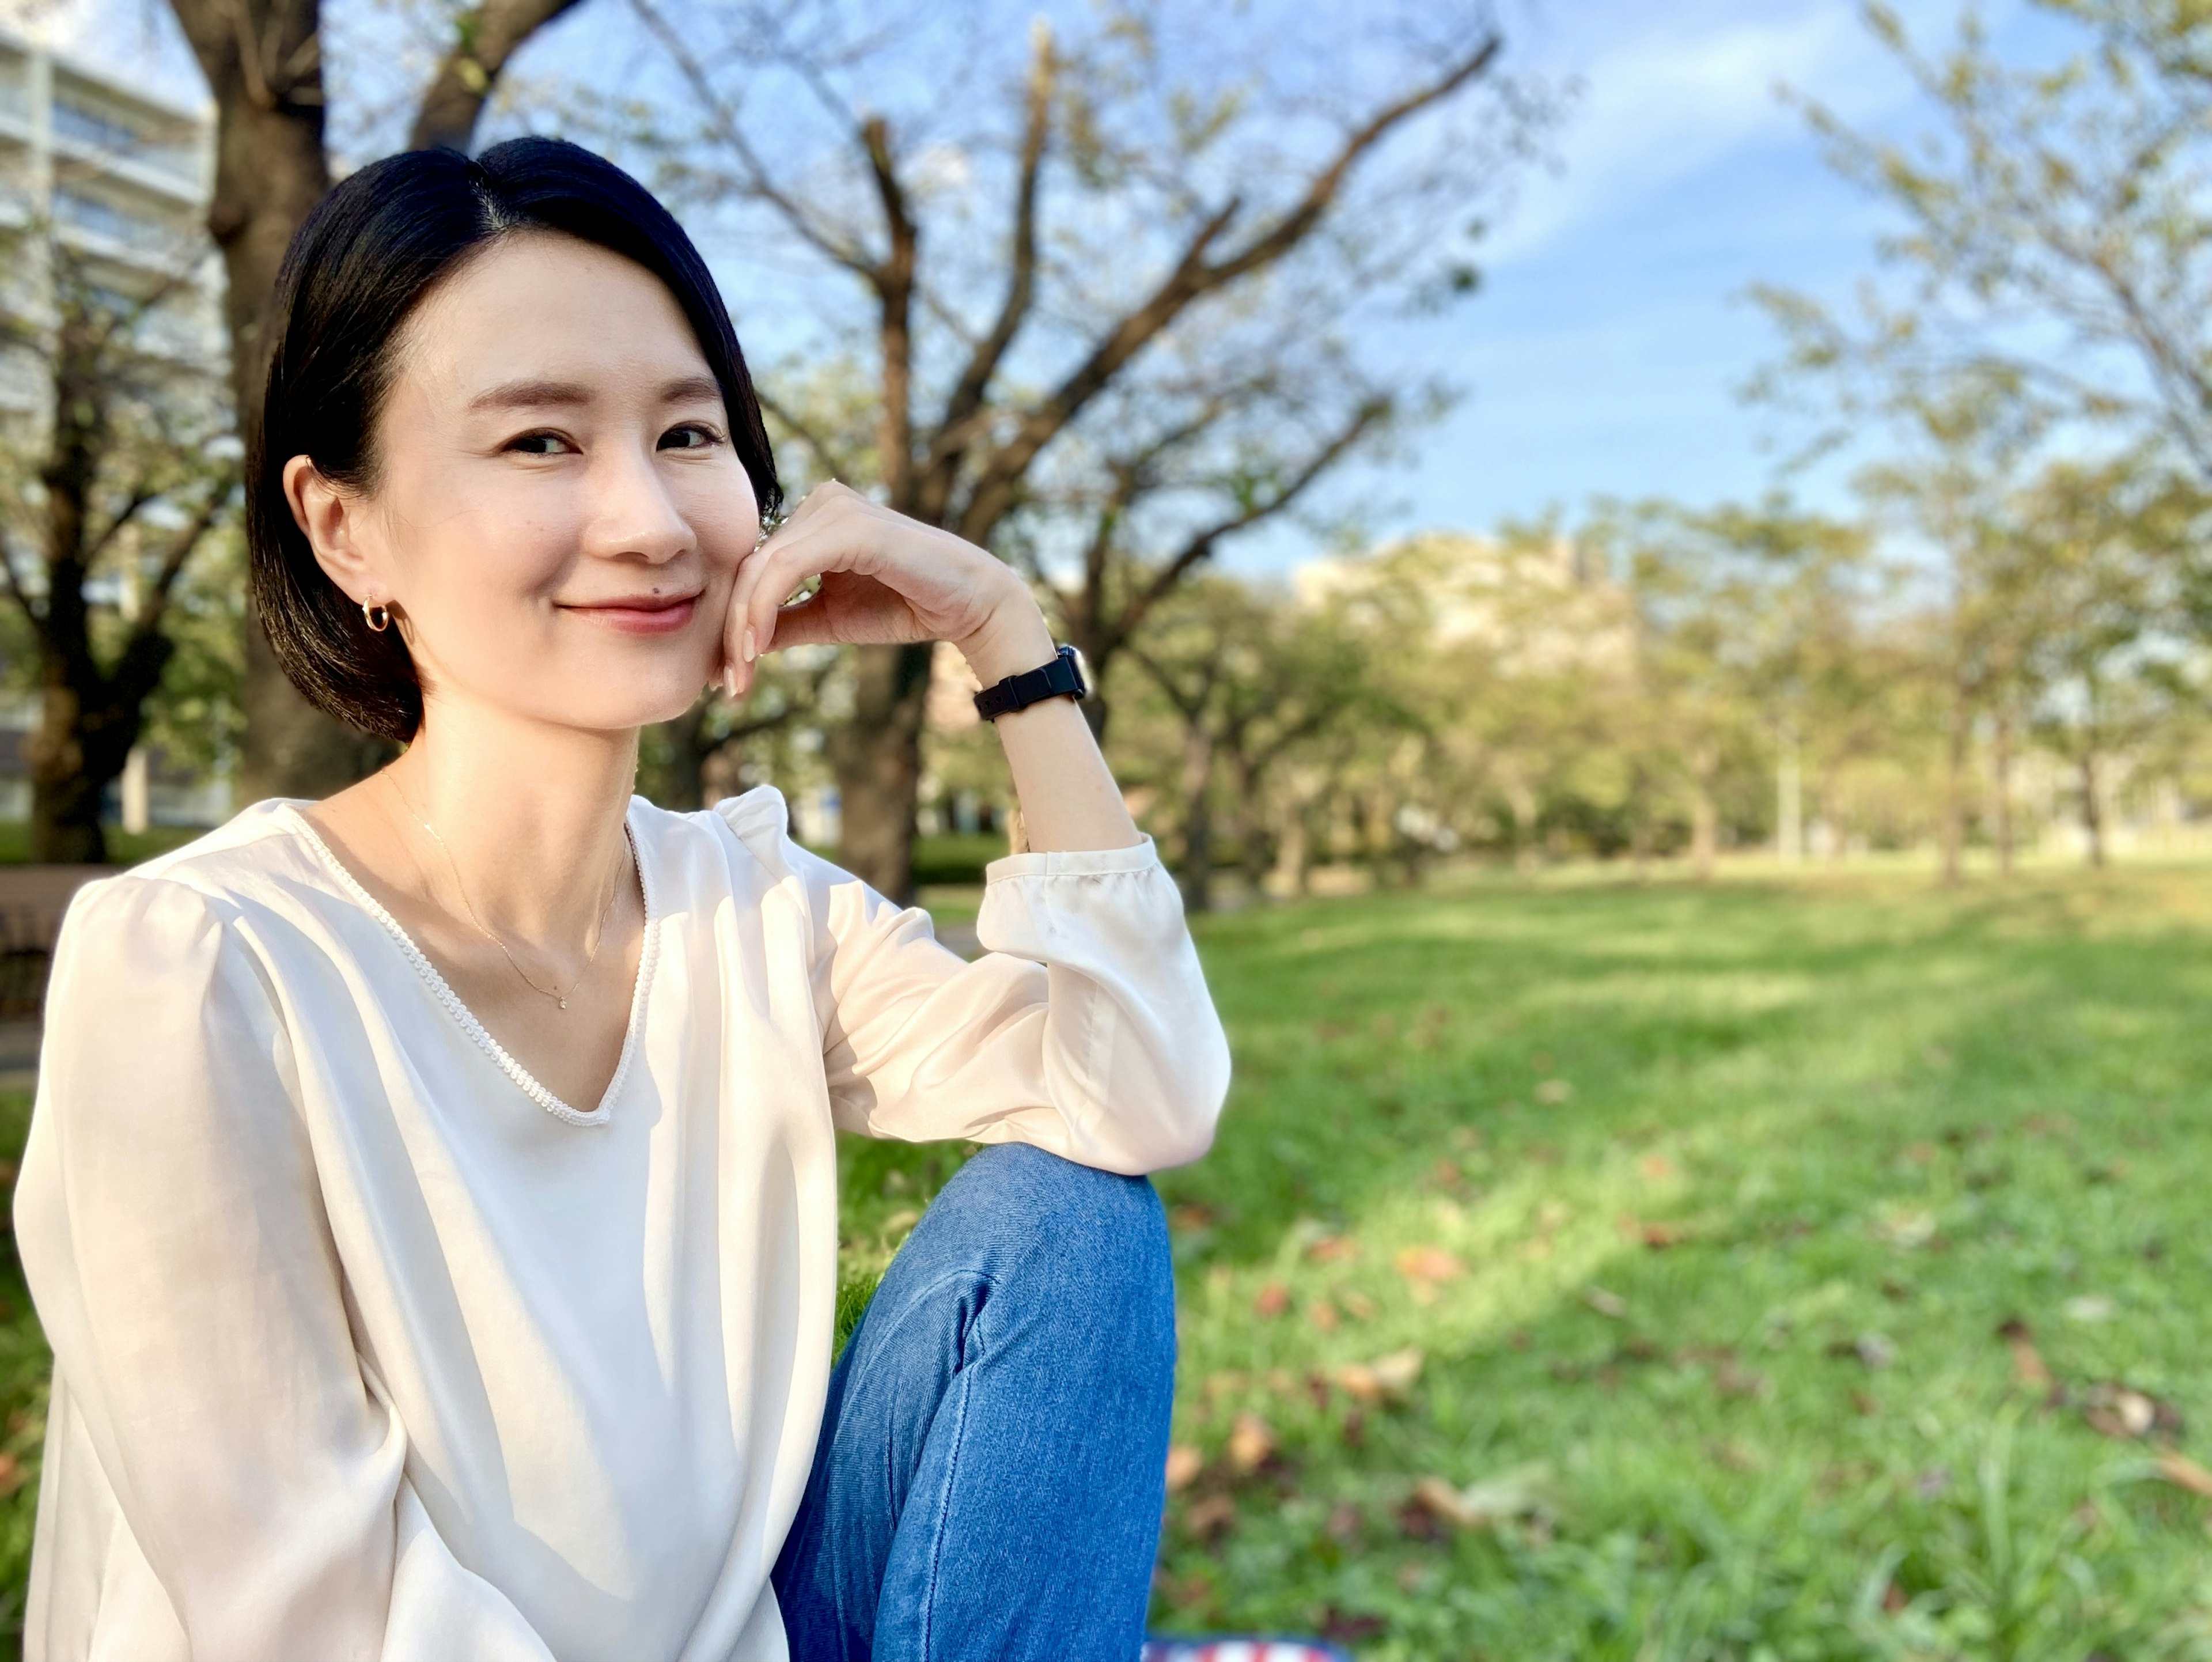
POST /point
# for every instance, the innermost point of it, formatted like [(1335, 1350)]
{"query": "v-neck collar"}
[(466, 1018)]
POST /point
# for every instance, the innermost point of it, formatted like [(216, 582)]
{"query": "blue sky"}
[(1605, 353)]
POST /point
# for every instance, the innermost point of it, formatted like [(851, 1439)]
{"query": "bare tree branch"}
[(893, 278), (485, 39), (1194, 276), (723, 123), (180, 550), (953, 428), (1202, 544)]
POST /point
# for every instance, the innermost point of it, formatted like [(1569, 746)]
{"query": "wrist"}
[(1013, 640)]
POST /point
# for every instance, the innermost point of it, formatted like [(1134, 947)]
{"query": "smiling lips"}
[(643, 614)]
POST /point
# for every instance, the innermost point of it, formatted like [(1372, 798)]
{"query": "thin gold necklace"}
[(599, 935)]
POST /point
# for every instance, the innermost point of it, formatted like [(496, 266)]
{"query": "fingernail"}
[(752, 648), (730, 681)]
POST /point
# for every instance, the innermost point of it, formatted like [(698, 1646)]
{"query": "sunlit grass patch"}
[(1703, 1211)]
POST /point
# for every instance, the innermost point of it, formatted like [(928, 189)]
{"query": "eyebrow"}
[(542, 394)]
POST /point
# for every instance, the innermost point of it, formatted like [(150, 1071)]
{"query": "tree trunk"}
[(1292, 856), (1705, 814), (2093, 810), (65, 795), (1955, 788), (2001, 764), (877, 756), (1522, 801), (263, 63), (1196, 878), (1790, 799)]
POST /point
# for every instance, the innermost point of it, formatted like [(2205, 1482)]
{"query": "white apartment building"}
[(121, 180)]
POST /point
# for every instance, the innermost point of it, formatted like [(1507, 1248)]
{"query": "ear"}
[(333, 518)]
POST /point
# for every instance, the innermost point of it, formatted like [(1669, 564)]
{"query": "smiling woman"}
[(431, 1196)]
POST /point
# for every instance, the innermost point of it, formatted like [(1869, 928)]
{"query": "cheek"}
[(725, 521), (483, 549)]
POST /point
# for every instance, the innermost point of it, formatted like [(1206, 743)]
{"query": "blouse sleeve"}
[(172, 1229), (1085, 1028)]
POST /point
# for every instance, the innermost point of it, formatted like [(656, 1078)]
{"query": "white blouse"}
[(367, 1345)]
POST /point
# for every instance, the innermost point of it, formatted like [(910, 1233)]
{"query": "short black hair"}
[(363, 261)]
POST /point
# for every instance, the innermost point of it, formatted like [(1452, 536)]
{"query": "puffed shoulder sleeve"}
[(172, 1229), (1085, 1028)]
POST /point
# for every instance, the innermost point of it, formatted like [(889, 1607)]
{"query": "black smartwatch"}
[(1060, 679)]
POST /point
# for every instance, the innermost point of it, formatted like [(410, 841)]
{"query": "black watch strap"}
[(1060, 679)]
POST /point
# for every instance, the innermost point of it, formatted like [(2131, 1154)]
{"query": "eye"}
[(541, 444), (691, 435)]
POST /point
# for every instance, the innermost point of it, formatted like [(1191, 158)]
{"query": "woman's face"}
[(557, 513)]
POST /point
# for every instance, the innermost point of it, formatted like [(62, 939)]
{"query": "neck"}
[(531, 814)]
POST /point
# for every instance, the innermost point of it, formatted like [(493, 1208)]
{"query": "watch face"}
[(1082, 670)]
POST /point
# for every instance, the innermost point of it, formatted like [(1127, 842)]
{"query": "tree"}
[(1108, 293), (1252, 678), (114, 490), (2054, 233), (263, 64), (2101, 538)]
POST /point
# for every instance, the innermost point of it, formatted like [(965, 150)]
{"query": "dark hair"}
[(363, 261)]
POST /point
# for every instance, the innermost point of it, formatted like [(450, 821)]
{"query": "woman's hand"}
[(886, 580)]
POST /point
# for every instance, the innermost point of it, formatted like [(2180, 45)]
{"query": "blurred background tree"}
[(126, 473)]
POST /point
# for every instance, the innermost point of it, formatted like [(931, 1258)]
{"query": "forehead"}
[(539, 304)]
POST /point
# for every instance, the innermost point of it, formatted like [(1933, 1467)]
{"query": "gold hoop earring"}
[(379, 617)]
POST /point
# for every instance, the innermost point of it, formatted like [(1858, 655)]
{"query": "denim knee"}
[(1095, 1243)]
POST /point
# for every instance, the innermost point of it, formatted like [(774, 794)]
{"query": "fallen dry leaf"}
[(1274, 1299), (1210, 1517), (1657, 1236), (1188, 1216), (1322, 1314), (1519, 1493), (1184, 1464), (1357, 1306), (1656, 1167), (1251, 1440), (2120, 1410), (2029, 1371), (1609, 1304), (1429, 1263), (2183, 1472), (1731, 1380), (1391, 1376), (1334, 1249)]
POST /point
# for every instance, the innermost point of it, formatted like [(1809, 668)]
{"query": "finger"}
[(829, 544), (738, 616), (770, 578)]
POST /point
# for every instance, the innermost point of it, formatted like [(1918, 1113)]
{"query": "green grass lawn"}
[(1594, 1271), (1703, 1211)]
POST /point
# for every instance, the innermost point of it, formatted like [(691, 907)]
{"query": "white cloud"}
[(1668, 91)]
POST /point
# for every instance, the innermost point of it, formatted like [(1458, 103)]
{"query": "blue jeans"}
[(991, 1470)]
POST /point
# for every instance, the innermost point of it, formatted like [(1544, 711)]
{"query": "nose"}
[(632, 515)]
